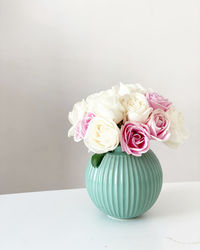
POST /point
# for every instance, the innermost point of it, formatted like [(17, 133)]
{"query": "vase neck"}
[(118, 149)]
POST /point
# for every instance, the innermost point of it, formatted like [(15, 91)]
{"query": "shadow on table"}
[(172, 202), (176, 201)]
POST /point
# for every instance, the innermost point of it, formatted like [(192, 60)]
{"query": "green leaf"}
[(96, 160)]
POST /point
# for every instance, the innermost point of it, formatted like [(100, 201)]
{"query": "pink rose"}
[(157, 101), (82, 126), (134, 138), (158, 125)]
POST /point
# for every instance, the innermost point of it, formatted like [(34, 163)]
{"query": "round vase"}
[(124, 186)]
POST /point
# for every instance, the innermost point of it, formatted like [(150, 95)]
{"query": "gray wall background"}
[(54, 53)]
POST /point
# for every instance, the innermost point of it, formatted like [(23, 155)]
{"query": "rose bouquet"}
[(118, 125), (127, 115)]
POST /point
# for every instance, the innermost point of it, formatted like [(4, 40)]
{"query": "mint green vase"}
[(124, 186)]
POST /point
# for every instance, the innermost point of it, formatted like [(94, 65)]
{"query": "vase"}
[(124, 186)]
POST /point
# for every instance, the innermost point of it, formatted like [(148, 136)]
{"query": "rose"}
[(178, 133), (102, 135), (127, 89), (137, 107), (134, 138), (157, 101), (77, 112), (106, 104), (158, 125), (76, 115), (81, 127)]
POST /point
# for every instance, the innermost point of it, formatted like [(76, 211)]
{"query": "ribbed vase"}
[(124, 186)]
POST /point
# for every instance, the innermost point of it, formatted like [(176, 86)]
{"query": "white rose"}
[(127, 89), (102, 135), (71, 131), (77, 112), (107, 105), (177, 129), (76, 115), (137, 107)]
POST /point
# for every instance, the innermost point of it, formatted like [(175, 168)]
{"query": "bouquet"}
[(127, 115)]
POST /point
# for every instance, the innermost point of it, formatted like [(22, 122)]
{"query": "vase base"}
[(114, 218)]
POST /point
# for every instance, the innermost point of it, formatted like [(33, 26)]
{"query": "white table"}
[(67, 219)]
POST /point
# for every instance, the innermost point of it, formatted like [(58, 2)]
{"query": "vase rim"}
[(118, 149)]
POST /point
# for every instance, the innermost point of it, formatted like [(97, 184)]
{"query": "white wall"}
[(53, 53)]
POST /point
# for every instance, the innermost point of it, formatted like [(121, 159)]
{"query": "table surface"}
[(67, 219)]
